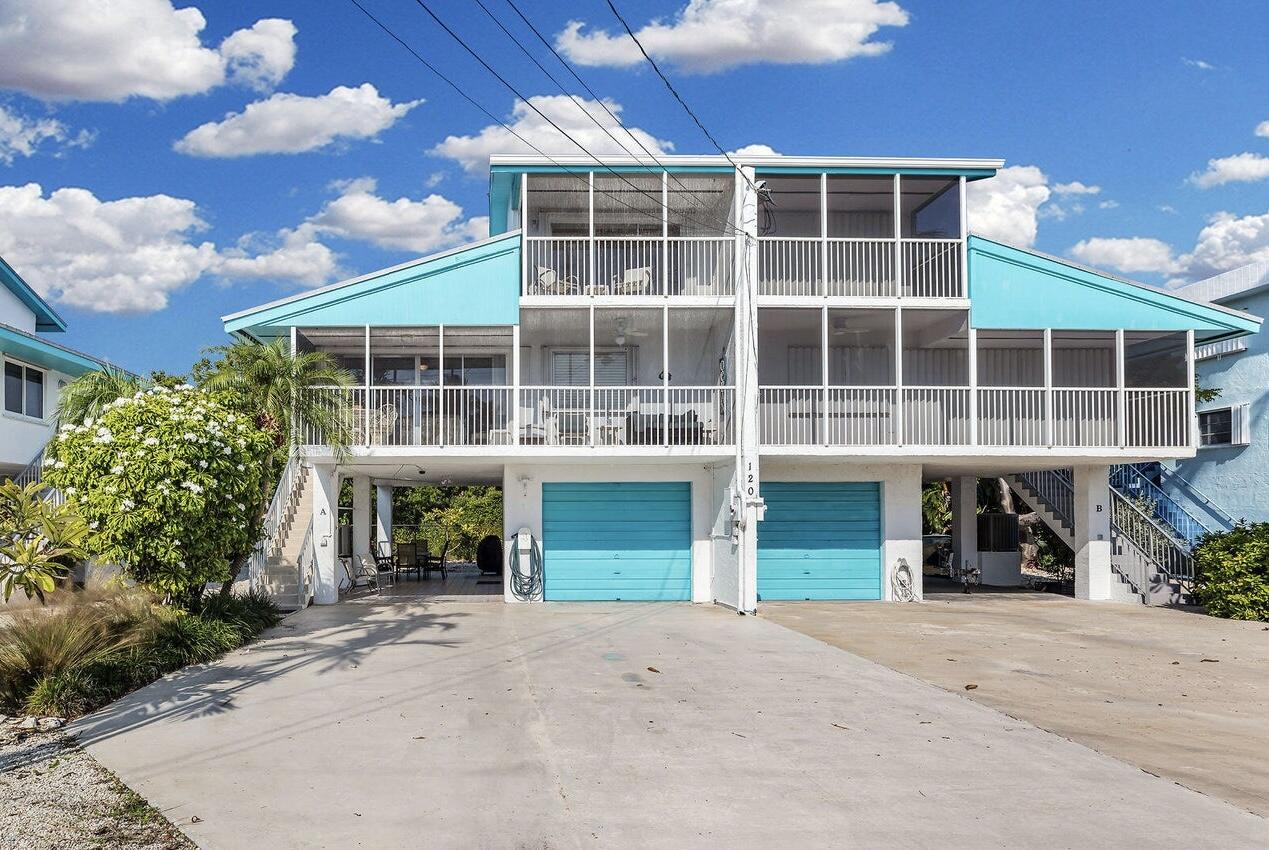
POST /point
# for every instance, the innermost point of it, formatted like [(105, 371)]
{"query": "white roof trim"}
[(1234, 283), (300, 296), (759, 161)]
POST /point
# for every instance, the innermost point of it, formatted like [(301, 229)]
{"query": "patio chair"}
[(636, 281), (363, 571), (432, 562), (408, 559), (550, 282)]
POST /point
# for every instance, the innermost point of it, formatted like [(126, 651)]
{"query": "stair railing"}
[(34, 471), (306, 568), (1129, 481), (1054, 489), (1182, 483), (1169, 555), (270, 542)]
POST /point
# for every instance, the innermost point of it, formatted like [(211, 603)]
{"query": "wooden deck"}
[(464, 584)]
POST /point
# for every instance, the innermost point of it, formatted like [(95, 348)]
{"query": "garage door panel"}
[(619, 540), (820, 540)]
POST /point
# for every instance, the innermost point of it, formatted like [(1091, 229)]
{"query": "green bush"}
[(1233, 572), (84, 650)]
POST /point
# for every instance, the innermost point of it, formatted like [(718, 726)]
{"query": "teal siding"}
[(617, 541), (820, 540), (1006, 284)]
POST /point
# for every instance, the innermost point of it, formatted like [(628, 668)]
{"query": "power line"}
[(475, 55), (674, 92), (568, 67), (583, 176)]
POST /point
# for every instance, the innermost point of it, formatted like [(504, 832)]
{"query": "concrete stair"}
[(281, 570), (1057, 523)]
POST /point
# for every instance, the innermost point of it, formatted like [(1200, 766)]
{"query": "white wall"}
[(14, 313), (725, 578), (522, 503), (900, 504), (21, 437)]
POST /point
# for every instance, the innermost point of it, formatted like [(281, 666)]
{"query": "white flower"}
[(127, 505), (88, 423), (180, 564), (66, 426), (192, 487), (150, 441), (203, 464), (70, 491), (61, 464), (137, 430), (117, 469), (227, 450), (241, 468), (188, 437), (93, 525)]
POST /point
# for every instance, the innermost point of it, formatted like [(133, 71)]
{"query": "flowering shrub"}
[(168, 481)]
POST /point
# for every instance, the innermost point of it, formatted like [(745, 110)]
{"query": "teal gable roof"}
[(46, 318), (40, 352), (1013, 288), (476, 284)]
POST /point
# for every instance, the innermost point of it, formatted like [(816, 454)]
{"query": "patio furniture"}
[(550, 282), (646, 429), (408, 559), (636, 281), (431, 562), (364, 571), (489, 555)]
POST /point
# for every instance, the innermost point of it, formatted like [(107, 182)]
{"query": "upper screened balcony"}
[(838, 235), (638, 235)]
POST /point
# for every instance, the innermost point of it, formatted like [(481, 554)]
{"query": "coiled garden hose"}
[(526, 586)]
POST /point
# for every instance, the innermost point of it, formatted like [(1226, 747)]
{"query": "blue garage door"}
[(624, 540), (820, 541)]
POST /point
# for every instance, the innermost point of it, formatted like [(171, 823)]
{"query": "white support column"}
[(515, 384), (1192, 419), (361, 515), (327, 573), (665, 375), (590, 361), (589, 285), (898, 375), (963, 283), (294, 333), (366, 401), (1048, 387), (1092, 532), (749, 505), (524, 233), (824, 372), (973, 384), (665, 234), (963, 491), (383, 518), (824, 234), (440, 383), (898, 239), (1121, 404)]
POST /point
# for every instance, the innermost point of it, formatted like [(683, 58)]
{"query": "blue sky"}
[(143, 240)]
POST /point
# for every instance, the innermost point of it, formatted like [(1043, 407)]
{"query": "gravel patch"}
[(55, 796)]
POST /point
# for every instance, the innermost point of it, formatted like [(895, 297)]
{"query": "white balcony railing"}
[(936, 416), (1157, 417), (629, 266), (836, 416), (1011, 416), (932, 268), (790, 266), (550, 416), (863, 268), (1085, 417)]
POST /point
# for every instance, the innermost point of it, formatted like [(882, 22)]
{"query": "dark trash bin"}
[(489, 555)]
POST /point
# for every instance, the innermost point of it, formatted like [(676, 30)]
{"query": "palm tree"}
[(275, 387), (88, 395)]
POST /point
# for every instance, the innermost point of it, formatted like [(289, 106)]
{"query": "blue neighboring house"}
[(1228, 478), (35, 370)]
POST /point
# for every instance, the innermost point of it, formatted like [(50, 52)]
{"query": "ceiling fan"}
[(624, 331), (841, 328)]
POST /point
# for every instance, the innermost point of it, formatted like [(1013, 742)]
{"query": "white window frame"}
[(1239, 426), (44, 379), (631, 353)]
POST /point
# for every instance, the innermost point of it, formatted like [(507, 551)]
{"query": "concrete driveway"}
[(1172, 692), (414, 724)]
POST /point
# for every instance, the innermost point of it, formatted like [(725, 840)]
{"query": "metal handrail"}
[(1199, 496), (270, 539), (1158, 543), (1127, 477), (305, 564)]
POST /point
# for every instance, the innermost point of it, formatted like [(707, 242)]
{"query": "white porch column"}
[(964, 497), (1092, 532), (325, 490), (748, 493), (361, 515), (383, 515)]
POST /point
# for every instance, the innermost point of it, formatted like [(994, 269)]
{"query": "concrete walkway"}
[(1174, 693), (410, 724)]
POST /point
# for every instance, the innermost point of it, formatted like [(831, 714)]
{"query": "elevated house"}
[(701, 382)]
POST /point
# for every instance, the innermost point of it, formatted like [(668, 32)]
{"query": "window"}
[(23, 390), (571, 368), (1227, 426)]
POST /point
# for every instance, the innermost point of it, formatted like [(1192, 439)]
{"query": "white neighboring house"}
[(35, 370), (710, 381)]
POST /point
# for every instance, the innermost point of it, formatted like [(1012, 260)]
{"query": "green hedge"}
[(1233, 572)]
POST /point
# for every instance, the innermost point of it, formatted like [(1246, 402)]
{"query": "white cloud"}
[(1239, 168), (262, 55), (429, 224), (292, 123), (473, 152), (1199, 63), (1131, 255), (1108, 204), (713, 35), (294, 256), (24, 136), (97, 51), (754, 150), (1226, 242), (1262, 129), (1168, 209), (1005, 207), (1075, 187)]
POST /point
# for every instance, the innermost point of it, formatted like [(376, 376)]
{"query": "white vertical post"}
[(1048, 388), (665, 234), (524, 234), (962, 285), (1092, 531), (590, 366), (590, 231), (325, 496), (963, 493), (515, 384), (440, 379), (898, 239), (748, 474), (665, 374), (973, 384), (824, 370), (294, 332), (898, 375), (1121, 406), (361, 515), (1192, 416), (383, 518), (824, 234), (365, 402)]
